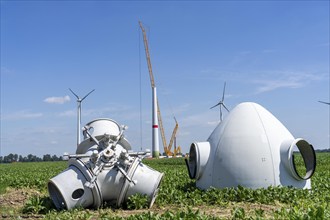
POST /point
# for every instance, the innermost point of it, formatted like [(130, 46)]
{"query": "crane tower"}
[(156, 115)]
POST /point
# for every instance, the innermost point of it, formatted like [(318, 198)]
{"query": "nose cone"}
[(244, 151), (247, 149)]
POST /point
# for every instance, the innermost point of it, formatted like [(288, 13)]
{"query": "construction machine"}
[(167, 149), (177, 150)]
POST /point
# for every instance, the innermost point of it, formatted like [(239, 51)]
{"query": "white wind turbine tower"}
[(221, 102), (79, 101)]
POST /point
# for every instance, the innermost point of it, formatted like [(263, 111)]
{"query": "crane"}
[(177, 150), (152, 81)]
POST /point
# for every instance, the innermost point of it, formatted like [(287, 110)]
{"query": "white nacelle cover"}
[(251, 148)]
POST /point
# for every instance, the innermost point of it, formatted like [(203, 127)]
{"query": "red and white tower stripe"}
[(155, 136)]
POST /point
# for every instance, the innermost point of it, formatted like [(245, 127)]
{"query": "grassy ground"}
[(23, 194)]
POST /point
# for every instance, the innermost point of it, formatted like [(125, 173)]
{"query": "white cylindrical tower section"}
[(198, 157), (155, 136)]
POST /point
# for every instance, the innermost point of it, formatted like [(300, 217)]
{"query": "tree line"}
[(10, 158)]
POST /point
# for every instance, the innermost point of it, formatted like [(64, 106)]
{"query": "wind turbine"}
[(79, 101), (221, 102), (328, 103)]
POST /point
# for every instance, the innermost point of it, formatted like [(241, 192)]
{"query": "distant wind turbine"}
[(328, 103), (221, 102), (79, 101)]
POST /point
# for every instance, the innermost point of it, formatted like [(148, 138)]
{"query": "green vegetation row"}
[(178, 197)]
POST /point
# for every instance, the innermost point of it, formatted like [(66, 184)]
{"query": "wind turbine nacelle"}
[(71, 188), (103, 170), (250, 148)]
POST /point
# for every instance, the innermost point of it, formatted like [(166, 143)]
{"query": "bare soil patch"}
[(15, 198)]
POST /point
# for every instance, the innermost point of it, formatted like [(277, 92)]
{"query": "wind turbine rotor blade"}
[(223, 93), (328, 103), (74, 94), (223, 104), (87, 94), (215, 105)]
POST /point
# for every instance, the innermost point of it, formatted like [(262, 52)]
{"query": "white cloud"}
[(213, 123), (268, 51), (68, 113), (269, 85), (57, 100), (243, 53), (6, 71), (293, 80), (24, 114), (326, 44)]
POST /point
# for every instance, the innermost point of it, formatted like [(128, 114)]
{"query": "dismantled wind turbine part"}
[(253, 149), (103, 170)]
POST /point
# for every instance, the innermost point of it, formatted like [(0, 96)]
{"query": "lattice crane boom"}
[(145, 41), (168, 153), (152, 81)]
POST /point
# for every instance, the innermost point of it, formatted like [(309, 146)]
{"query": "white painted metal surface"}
[(98, 128), (103, 170), (251, 148), (155, 129)]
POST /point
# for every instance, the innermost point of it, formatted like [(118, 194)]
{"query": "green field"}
[(23, 194)]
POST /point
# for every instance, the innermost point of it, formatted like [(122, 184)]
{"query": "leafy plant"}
[(238, 213), (137, 201), (178, 197), (37, 205)]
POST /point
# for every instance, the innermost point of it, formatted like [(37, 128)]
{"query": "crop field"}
[(23, 194)]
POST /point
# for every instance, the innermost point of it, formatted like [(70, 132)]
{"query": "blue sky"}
[(275, 53)]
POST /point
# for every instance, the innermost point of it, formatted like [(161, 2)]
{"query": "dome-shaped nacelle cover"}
[(246, 150), (243, 155)]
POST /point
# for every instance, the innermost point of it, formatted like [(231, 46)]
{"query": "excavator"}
[(167, 148)]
